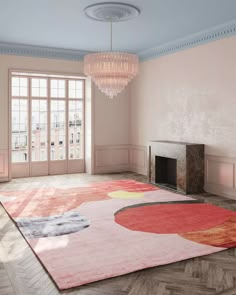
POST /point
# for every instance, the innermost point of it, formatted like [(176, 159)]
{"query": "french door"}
[(47, 124)]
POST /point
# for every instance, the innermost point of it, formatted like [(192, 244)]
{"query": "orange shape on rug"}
[(223, 235)]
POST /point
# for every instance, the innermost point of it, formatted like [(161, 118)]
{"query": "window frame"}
[(48, 76)]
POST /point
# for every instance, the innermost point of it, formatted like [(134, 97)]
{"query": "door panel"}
[(75, 136), (58, 167), (19, 137), (39, 137), (58, 163)]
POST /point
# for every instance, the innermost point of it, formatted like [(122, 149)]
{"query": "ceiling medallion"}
[(111, 10), (111, 71)]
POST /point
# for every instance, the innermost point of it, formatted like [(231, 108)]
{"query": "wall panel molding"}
[(138, 159), (121, 158), (220, 177), (111, 158), (220, 172)]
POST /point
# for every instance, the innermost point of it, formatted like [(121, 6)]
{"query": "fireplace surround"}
[(177, 165)]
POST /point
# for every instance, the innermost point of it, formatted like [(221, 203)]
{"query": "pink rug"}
[(82, 235)]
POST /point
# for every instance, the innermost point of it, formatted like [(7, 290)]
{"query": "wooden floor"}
[(22, 274)]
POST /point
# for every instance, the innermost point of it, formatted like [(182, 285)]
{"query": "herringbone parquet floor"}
[(22, 274)]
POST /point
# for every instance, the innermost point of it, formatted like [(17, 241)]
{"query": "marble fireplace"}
[(177, 165)]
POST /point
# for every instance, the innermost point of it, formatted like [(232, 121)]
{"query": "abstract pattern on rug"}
[(38, 227), (107, 229)]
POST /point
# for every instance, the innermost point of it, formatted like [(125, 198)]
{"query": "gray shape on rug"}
[(51, 226)]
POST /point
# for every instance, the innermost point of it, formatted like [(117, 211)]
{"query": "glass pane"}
[(19, 130), (15, 81), (35, 91), (23, 91), (15, 91), (58, 88), (75, 129), (39, 134), (19, 86), (58, 131), (43, 92), (75, 89), (39, 87)]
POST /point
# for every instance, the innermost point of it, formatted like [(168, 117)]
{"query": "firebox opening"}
[(166, 172)]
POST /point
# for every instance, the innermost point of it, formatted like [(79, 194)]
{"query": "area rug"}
[(103, 230)]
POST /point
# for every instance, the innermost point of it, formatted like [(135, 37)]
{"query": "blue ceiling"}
[(62, 23)]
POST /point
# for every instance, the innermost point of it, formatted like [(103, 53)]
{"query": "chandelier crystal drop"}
[(111, 71)]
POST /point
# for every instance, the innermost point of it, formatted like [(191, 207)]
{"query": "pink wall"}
[(111, 125), (188, 96), (191, 96), (111, 119)]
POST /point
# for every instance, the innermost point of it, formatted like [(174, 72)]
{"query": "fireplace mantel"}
[(189, 165)]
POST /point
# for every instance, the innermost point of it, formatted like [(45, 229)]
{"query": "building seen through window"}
[(44, 120)]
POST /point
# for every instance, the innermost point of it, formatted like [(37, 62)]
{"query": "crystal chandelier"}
[(111, 71)]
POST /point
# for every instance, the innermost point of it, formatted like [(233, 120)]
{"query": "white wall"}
[(191, 96), (110, 118)]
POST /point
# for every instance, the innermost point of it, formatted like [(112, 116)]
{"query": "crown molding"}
[(43, 52), (203, 37)]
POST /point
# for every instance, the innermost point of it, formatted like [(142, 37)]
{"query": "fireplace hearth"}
[(177, 166)]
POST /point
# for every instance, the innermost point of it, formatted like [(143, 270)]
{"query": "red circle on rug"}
[(172, 218)]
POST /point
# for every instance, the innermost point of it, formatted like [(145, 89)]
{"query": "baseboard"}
[(220, 191)]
